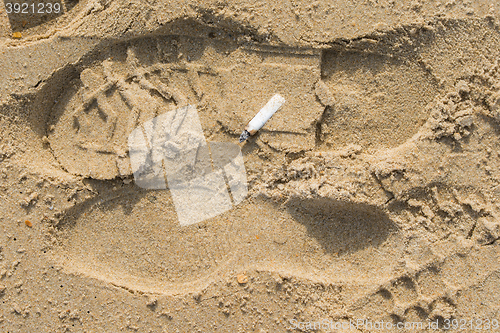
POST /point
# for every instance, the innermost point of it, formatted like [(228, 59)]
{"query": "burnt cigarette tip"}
[(245, 135)]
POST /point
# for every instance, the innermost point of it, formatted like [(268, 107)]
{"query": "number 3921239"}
[(33, 8)]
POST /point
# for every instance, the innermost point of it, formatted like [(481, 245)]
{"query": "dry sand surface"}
[(373, 193)]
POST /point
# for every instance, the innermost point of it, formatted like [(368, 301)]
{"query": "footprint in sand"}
[(141, 245)]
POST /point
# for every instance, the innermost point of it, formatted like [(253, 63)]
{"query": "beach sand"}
[(373, 192)]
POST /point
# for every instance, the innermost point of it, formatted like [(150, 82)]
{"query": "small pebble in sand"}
[(152, 302), (241, 278), (28, 223)]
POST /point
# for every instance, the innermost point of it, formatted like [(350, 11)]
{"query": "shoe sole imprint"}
[(377, 101), (141, 245)]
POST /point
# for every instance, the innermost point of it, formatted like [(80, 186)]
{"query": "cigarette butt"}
[(262, 117), (17, 35)]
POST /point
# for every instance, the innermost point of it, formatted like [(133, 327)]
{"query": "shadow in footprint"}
[(124, 200), (342, 227)]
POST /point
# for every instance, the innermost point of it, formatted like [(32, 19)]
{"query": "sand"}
[(373, 193)]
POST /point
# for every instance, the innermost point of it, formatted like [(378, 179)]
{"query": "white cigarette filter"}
[(263, 116)]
